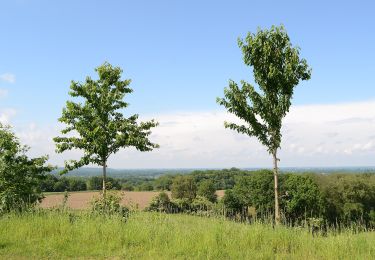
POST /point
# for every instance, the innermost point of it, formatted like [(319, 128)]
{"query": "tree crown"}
[(96, 125), (277, 69)]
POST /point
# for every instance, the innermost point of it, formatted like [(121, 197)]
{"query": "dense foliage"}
[(20, 175), (184, 187), (334, 199)]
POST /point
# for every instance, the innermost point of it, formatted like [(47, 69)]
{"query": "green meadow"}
[(145, 235)]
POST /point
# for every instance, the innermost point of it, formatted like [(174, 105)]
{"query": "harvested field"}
[(81, 200)]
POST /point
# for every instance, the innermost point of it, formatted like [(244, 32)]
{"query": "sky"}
[(180, 56)]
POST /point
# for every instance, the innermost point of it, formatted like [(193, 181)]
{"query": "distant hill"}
[(154, 173), (121, 173)]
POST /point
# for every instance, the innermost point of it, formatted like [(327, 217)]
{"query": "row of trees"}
[(335, 199), (221, 179), (52, 183)]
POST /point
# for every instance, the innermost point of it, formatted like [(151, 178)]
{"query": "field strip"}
[(81, 200)]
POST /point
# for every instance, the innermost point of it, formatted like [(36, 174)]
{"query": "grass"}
[(50, 234)]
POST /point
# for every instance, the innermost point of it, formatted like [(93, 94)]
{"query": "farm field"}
[(56, 235), (81, 200)]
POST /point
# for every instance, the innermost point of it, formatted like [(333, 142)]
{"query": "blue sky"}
[(179, 54)]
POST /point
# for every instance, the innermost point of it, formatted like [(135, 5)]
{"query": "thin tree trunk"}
[(104, 179), (276, 182)]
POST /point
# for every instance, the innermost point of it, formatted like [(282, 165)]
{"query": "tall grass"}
[(50, 234)]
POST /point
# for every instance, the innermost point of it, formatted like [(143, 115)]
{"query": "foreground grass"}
[(154, 236)]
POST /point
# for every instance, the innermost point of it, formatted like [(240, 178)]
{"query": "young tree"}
[(20, 176), (277, 69), (184, 187), (207, 189), (100, 127)]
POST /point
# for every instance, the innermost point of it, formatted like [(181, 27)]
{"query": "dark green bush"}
[(302, 198)]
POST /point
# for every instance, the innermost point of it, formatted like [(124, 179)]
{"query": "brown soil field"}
[(81, 200)]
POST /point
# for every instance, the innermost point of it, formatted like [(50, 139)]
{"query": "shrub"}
[(232, 203), (207, 189), (145, 187), (201, 204), (182, 205), (161, 203), (184, 187), (20, 176), (127, 187), (302, 198), (110, 205), (255, 190)]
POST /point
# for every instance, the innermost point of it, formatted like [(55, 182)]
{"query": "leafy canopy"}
[(277, 70), (97, 125), (20, 176), (184, 187)]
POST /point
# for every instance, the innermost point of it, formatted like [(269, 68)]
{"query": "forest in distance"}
[(156, 172)]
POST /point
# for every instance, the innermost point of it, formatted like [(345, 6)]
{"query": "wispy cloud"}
[(316, 135), (8, 77), (6, 115)]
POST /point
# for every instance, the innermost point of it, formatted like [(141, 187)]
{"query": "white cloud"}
[(315, 135), (6, 115), (8, 77)]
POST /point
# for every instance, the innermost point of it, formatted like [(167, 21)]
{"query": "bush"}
[(232, 203), (127, 187), (110, 205), (302, 198), (348, 198), (145, 187), (20, 176), (184, 187), (182, 205), (161, 203), (207, 189), (201, 204), (255, 190)]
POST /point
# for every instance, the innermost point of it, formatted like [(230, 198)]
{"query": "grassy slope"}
[(155, 236)]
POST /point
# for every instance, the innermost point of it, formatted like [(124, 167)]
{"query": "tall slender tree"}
[(97, 125), (277, 69)]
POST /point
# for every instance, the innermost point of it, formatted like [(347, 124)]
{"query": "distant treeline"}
[(318, 200), (223, 179)]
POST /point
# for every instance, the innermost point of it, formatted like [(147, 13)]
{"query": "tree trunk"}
[(276, 182), (104, 179)]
